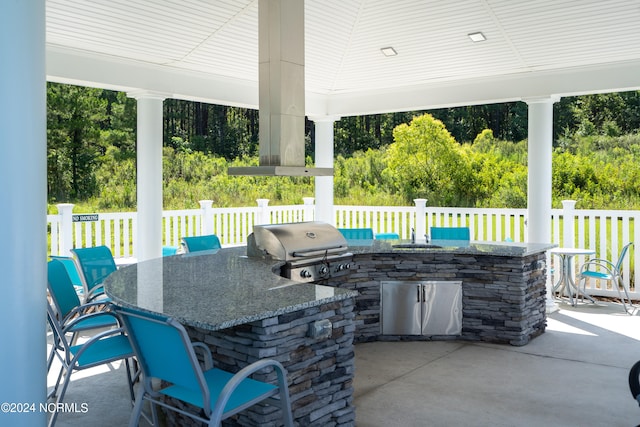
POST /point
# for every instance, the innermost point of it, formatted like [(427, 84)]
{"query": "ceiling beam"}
[(76, 67)]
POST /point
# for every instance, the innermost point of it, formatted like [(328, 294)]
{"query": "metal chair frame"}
[(102, 348), (165, 353), (605, 270), (94, 265)]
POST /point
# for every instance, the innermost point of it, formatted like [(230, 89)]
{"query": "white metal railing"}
[(604, 231)]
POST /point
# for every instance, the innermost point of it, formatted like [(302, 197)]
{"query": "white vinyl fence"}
[(601, 230)]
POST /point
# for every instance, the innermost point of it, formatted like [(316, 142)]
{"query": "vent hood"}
[(281, 91)]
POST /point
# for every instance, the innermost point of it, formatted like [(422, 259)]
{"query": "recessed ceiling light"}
[(388, 51), (477, 37)]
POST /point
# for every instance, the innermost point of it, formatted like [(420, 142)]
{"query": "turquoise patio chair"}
[(67, 305), (450, 233), (387, 236), (72, 270), (357, 233), (201, 243), (606, 271), (101, 348), (166, 353), (94, 265), (169, 250)]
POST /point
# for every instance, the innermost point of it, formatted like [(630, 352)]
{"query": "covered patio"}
[(533, 52), (575, 374)]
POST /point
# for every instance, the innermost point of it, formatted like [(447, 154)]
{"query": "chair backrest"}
[(450, 233), (623, 253), (61, 289), (357, 233), (164, 350), (94, 265), (72, 269), (387, 236), (169, 250), (201, 243)]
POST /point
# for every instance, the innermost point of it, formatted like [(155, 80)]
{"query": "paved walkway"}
[(573, 375)]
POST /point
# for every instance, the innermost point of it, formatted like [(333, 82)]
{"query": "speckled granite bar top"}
[(506, 249), (215, 290)]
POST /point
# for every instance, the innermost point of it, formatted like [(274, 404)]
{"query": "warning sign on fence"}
[(85, 218)]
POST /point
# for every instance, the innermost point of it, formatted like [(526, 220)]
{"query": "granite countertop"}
[(219, 289), (215, 290), (506, 249)]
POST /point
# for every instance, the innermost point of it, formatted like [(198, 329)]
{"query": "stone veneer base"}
[(320, 371), (503, 298)]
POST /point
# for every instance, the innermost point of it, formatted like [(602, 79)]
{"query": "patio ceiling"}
[(208, 50)]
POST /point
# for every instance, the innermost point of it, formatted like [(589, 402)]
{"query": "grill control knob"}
[(323, 270), (344, 267), (305, 274)]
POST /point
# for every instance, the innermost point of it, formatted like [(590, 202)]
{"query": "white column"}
[(324, 159), (149, 174), (23, 169), (540, 148), (540, 140)]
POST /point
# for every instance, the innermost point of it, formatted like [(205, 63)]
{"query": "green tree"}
[(74, 115), (426, 161)]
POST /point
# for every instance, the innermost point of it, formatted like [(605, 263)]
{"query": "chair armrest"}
[(87, 344), (244, 373), (73, 322), (81, 309), (598, 262), (206, 353), (94, 293)]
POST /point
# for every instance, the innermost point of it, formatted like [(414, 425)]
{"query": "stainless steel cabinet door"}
[(401, 310), (442, 308)]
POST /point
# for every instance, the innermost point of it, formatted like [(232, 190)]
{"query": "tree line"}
[(91, 153)]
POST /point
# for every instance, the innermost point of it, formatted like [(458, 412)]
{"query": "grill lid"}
[(296, 241)]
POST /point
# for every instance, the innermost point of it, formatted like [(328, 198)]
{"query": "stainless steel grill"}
[(312, 251)]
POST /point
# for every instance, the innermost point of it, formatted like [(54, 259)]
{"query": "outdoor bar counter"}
[(245, 312), (503, 286)]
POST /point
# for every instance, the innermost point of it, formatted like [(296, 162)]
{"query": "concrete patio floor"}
[(575, 374)]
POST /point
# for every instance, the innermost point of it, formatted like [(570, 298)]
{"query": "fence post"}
[(206, 217), (263, 214), (309, 208), (568, 218), (65, 236), (421, 221)]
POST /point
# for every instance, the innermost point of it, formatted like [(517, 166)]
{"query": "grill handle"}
[(319, 252)]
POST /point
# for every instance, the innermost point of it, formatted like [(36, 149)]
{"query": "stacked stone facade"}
[(320, 370), (504, 298)]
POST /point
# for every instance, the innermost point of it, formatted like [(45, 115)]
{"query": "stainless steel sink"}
[(415, 246)]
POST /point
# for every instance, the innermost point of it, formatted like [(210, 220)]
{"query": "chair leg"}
[(63, 390), (137, 410), (55, 388), (583, 281), (619, 284), (131, 379)]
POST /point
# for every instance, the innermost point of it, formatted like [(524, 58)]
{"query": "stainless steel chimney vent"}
[(281, 91)]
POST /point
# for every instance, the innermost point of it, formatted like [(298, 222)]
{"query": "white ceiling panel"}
[(217, 40)]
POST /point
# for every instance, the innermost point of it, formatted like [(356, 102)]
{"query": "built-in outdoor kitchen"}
[(298, 293)]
